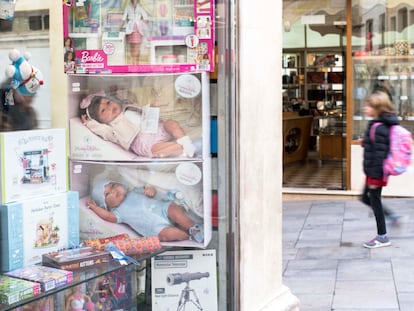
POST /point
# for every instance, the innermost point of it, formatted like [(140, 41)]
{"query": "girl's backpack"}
[(399, 156)]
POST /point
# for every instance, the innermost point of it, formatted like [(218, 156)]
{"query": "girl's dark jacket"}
[(376, 151)]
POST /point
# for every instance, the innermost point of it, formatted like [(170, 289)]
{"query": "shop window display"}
[(140, 35)]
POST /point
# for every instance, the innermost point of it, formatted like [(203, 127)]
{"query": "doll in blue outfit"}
[(139, 209)]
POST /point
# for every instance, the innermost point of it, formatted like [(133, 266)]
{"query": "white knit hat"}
[(97, 191)]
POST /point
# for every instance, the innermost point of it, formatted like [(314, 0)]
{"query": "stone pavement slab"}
[(326, 267)]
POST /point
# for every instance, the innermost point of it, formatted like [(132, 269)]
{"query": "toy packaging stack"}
[(13, 290), (157, 138), (48, 278), (32, 227)]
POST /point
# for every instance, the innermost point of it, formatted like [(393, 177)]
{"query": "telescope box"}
[(33, 163), (191, 179), (33, 227), (184, 277)]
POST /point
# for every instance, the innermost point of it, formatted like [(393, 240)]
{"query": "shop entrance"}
[(314, 94), (314, 119)]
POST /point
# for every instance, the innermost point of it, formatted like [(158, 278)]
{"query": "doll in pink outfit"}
[(123, 124), (79, 301)]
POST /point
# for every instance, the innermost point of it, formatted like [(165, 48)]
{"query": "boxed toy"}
[(33, 227), (182, 279), (156, 36), (115, 290), (48, 278), (33, 163), (13, 290), (75, 259), (149, 196), (152, 117)]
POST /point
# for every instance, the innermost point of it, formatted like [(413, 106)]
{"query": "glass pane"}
[(383, 57)]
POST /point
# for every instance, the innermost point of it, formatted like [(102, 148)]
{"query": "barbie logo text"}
[(91, 58)]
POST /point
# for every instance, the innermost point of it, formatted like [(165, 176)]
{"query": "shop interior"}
[(314, 100), (327, 70)]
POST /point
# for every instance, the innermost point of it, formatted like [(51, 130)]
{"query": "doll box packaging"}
[(33, 163), (152, 108), (187, 183), (184, 279), (48, 278), (13, 290), (156, 36), (33, 227), (75, 259)]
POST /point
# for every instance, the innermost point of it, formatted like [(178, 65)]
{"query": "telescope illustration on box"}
[(178, 278)]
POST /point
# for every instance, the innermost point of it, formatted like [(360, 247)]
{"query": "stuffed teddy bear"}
[(25, 78)]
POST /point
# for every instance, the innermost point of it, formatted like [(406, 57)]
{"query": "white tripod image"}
[(178, 278)]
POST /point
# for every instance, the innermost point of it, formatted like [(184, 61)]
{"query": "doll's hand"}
[(149, 191), (84, 119), (91, 204)]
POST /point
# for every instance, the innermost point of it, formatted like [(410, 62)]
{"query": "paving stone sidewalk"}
[(326, 267)]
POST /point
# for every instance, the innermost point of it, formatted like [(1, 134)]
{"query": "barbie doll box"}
[(157, 117), (33, 163), (184, 279), (138, 36), (151, 187), (48, 278), (33, 227)]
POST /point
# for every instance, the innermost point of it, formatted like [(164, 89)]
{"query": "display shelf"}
[(293, 80), (82, 277)]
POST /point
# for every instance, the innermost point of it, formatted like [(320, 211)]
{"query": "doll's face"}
[(108, 110), (114, 194)]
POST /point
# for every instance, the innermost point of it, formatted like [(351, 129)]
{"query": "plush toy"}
[(25, 78)]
